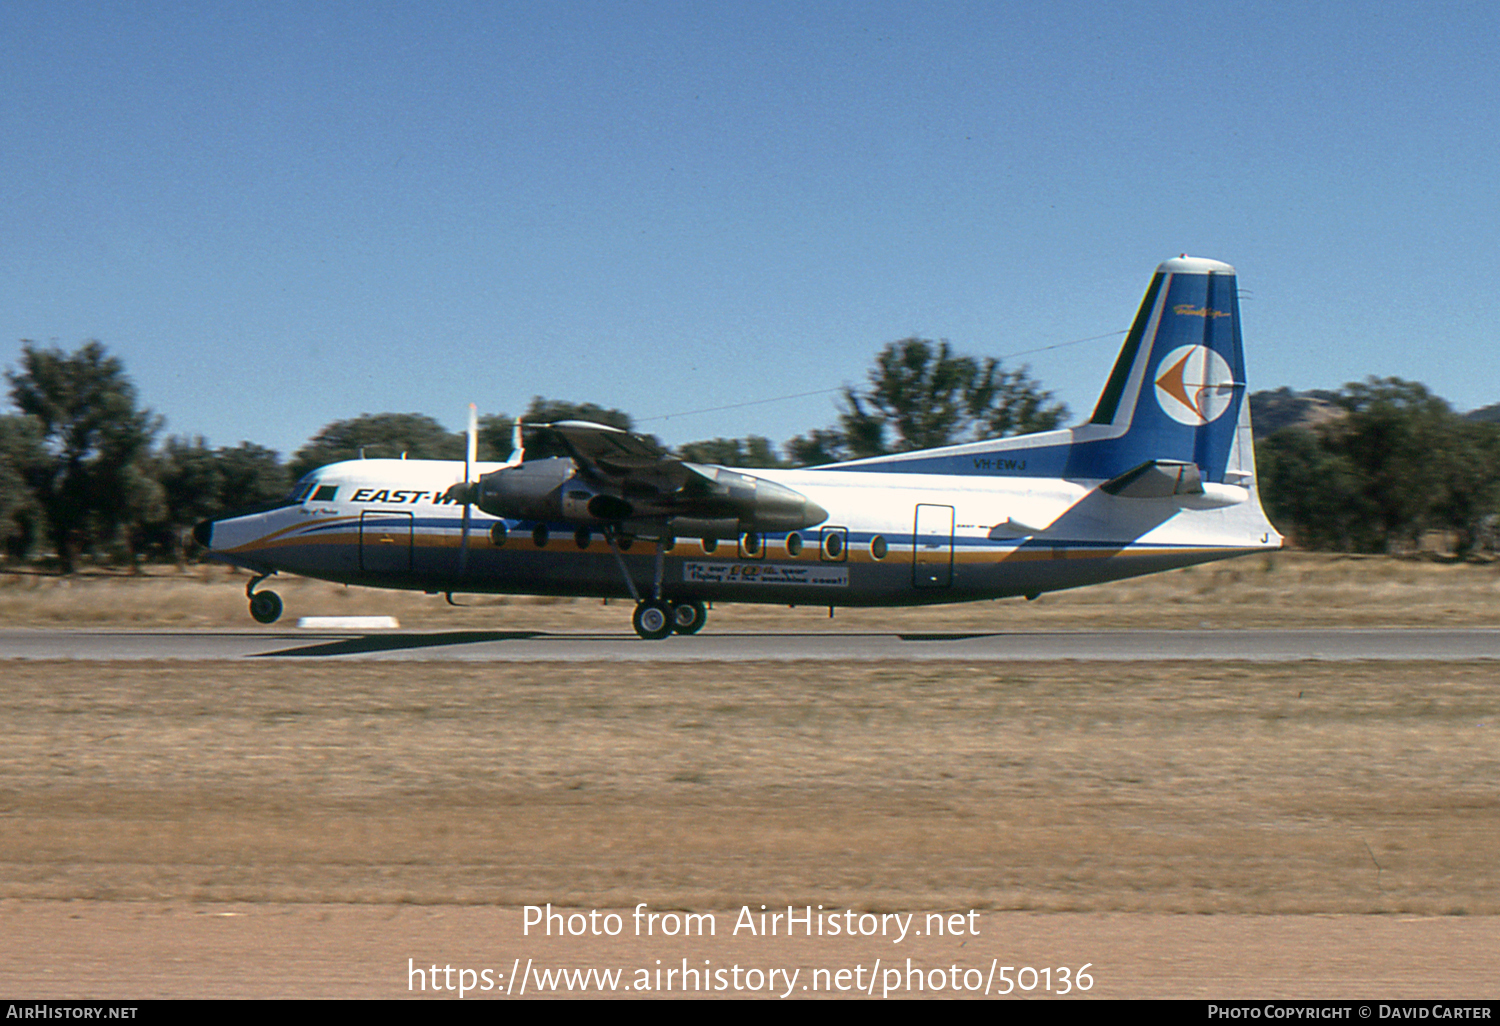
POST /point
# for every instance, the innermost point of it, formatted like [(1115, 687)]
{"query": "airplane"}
[(1161, 476)]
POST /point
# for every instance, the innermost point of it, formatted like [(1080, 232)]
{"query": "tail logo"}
[(1194, 385), (1189, 310)]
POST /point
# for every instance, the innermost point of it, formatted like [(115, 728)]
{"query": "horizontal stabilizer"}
[(1156, 479), (1175, 479)]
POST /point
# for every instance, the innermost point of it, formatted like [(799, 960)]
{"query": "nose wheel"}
[(265, 606)]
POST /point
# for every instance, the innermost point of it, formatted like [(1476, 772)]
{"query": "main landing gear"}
[(265, 606), (652, 620), (655, 617), (688, 617)]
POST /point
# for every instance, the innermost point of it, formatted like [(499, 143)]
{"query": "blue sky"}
[(279, 215)]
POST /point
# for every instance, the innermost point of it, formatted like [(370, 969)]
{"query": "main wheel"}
[(265, 606), (688, 617), (652, 620)]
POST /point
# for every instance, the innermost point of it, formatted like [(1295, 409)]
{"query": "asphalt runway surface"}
[(1268, 645)]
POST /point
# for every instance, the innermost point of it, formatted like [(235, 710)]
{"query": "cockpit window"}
[(304, 491)]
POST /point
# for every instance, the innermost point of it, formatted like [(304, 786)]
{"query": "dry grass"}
[(1280, 590), (1182, 787)]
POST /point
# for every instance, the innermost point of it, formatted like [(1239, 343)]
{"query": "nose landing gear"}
[(265, 606)]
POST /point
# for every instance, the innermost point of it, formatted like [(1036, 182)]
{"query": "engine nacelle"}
[(758, 504), (530, 491), (547, 490)]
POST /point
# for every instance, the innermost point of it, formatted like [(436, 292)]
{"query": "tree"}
[(921, 395), (818, 447), (191, 482), (379, 435), (21, 456), (92, 480), (1392, 437), (1395, 461), (1470, 496), (251, 475), (1312, 493), (1013, 403), (753, 451)]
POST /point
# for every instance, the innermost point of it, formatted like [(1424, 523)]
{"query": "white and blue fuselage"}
[(1162, 476)]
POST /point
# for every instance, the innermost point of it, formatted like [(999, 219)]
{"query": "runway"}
[(1266, 645)]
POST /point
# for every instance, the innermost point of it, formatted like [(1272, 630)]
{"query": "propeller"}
[(467, 491), (471, 451), (517, 447)]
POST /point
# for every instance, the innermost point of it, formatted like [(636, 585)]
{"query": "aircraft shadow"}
[(376, 643), (952, 636), (367, 644)]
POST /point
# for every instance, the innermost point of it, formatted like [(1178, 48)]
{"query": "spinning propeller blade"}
[(470, 453), (517, 447)]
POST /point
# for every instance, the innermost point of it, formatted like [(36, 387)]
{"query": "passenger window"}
[(793, 544), (834, 547), (498, 534), (750, 545), (878, 547)]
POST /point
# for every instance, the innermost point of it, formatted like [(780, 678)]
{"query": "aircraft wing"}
[(638, 478), (610, 454)]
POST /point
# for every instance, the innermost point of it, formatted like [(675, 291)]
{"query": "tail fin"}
[(1177, 392), (1175, 402)]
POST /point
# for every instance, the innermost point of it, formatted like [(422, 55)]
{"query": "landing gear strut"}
[(265, 606), (656, 618)]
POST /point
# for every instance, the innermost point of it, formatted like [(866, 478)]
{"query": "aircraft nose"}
[(204, 533)]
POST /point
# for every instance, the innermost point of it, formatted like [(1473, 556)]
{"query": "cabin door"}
[(932, 547), (385, 542)]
